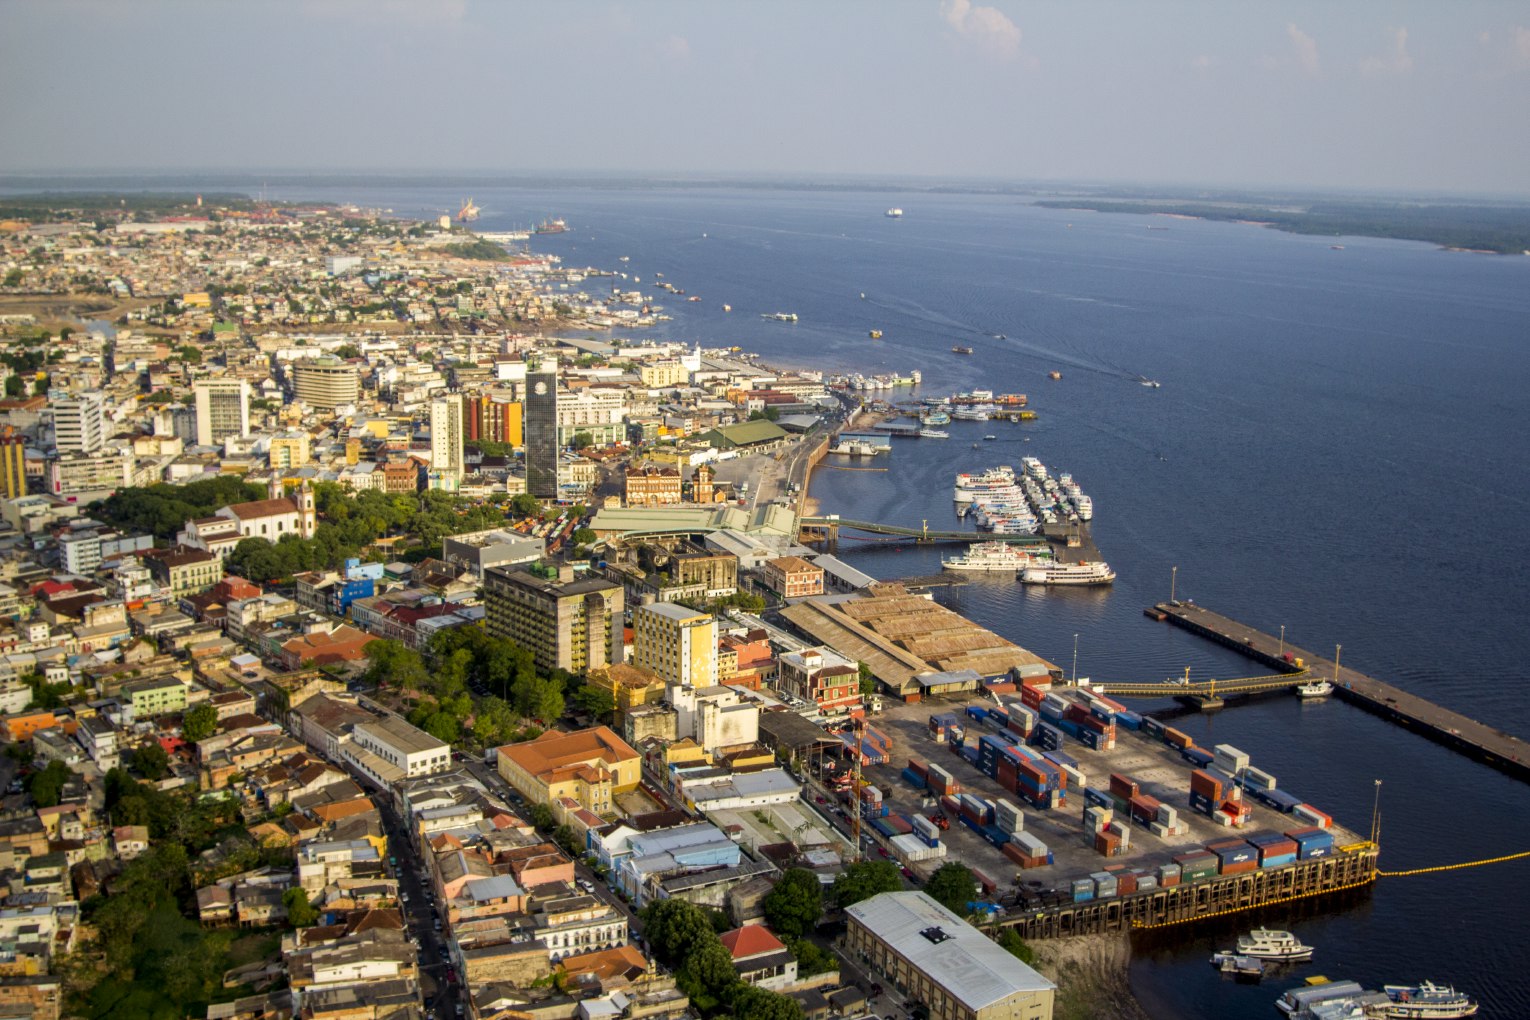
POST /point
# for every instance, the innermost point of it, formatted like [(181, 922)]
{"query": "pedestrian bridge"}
[(1204, 688), (923, 534)]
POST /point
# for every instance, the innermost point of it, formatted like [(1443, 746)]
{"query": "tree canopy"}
[(865, 879), (793, 907), (953, 887), (199, 723)]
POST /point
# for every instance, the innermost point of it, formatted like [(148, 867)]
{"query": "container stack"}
[(1311, 842), (1083, 890), (1105, 885), (941, 782), (951, 806), (1114, 840), (1274, 850), (1256, 779), (1197, 864), (1122, 789), (926, 830), (1205, 791), (1229, 759), (1008, 817), (1143, 809), (1039, 784), (1070, 768), (872, 804), (976, 812), (910, 849), (1096, 818), (1098, 797), (1167, 823), (881, 741), (944, 726), (916, 775), (1196, 757), (1311, 815), (1168, 875), (1234, 856), (1027, 851)]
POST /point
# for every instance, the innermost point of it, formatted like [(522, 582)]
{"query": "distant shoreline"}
[(1480, 229)]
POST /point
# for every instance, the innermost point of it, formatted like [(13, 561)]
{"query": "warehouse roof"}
[(745, 433), (955, 955)]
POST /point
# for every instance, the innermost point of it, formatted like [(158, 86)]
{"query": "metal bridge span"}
[(921, 534), (1204, 688)]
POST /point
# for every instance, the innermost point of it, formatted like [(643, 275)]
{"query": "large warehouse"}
[(930, 954)]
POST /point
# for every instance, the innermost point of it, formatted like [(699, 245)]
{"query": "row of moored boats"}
[(1322, 999), (1008, 504)]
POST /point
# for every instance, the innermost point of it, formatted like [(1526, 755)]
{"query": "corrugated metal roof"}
[(966, 963)]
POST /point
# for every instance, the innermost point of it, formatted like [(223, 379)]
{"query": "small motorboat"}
[(1315, 689), (1268, 944), (1235, 964)]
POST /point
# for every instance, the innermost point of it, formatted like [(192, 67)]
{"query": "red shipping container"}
[(951, 806), (917, 767), (1106, 843), (1017, 726), (1326, 819), (984, 882), (1240, 867), (1126, 882), (1168, 880), (1030, 696), (1095, 724), (1144, 808), (1206, 785), (1123, 786), (1076, 713), (1014, 853), (1287, 846), (1007, 775), (1176, 738), (1240, 812), (1025, 769)]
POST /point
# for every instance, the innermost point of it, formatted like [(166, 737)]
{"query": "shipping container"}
[(1312, 842), (914, 779), (917, 766), (1083, 890), (1147, 882), (1205, 783), (1093, 796), (1168, 874), (1152, 727), (1258, 779), (1195, 756), (1229, 758), (1126, 883), (995, 835), (1029, 843), (1144, 808), (1129, 720), (1308, 813), (1104, 884), (1179, 739), (1122, 785)]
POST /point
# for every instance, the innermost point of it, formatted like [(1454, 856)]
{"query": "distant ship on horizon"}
[(554, 226), (893, 213), (468, 213)]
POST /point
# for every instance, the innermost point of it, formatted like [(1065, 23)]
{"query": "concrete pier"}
[(1475, 739)]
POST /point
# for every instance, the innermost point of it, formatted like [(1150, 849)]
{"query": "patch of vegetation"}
[(484, 251)]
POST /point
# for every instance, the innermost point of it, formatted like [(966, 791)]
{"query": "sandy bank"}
[(1091, 976)]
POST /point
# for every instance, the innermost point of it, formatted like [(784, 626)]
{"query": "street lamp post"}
[(1173, 579), (1282, 641), (1336, 650), (1075, 660)]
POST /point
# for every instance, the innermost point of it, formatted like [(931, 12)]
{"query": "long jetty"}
[(1477, 740)]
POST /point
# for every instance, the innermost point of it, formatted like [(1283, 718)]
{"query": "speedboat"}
[(1315, 689), (1426, 1001), (1267, 944)]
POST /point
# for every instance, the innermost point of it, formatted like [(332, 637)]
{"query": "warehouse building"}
[(931, 955)]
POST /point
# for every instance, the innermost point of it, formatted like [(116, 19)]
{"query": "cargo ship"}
[(468, 213), (553, 226), (1083, 572), (893, 213), (857, 448), (961, 350), (780, 316)]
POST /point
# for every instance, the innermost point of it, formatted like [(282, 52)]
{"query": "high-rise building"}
[(79, 423), (223, 410), (678, 644), (542, 432), (290, 450), (446, 435), (13, 467), (494, 419), (565, 623), (325, 383)]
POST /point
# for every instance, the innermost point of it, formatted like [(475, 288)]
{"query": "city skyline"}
[(1358, 96)]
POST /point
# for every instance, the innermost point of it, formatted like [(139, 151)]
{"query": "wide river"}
[(1339, 446)]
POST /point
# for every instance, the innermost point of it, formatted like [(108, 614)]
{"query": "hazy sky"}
[(1360, 95)]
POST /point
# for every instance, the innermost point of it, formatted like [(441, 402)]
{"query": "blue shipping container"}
[(1276, 860), (1195, 756), (1089, 738), (915, 780), (1098, 797), (1202, 803), (1131, 720), (995, 835), (1152, 726), (1059, 758)]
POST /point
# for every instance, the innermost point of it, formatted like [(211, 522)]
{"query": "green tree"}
[(15, 386), (597, 701), (1010, 940), (199, 723), (12, 279), (525, 505), (865, 879), (751, 1003), (585, 536), (393, 664), (674, 929), (707, 971), (583, 440), (151, 761), (793, 907), (47, 786), (300, 913), (811, 957), (541, 816), (953, 887), (493, 722), (868, 682)]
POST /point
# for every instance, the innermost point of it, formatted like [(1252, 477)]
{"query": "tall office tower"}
[(446, 436), (13, 468), (542, 431), (223, 410), (79, 423), (325, 383)]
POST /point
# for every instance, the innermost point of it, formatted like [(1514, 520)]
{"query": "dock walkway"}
[(1477, 740)]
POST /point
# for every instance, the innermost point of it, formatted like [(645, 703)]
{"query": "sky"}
[(1356, 95)]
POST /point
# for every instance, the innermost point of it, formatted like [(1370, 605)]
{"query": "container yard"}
[(1077, 814)]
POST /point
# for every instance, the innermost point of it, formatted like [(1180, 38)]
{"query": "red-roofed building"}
[(760, 958)]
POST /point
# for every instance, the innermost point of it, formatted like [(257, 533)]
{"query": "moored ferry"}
[(993, 557), (1084, 572)]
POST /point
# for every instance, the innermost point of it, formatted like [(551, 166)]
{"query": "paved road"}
[(419, 918)]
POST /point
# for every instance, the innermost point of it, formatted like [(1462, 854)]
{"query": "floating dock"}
[(1474, 739)]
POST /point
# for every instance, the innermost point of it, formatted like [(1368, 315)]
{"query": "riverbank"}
[(1091, 976)]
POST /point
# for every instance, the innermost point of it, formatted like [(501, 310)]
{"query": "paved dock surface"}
[(1478, 740)]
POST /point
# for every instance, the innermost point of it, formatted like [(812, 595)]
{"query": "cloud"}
[(1306, 49), (1398, 61), (988, 27), (1522, 43)]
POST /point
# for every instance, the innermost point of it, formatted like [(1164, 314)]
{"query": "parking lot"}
[(1157, 767)]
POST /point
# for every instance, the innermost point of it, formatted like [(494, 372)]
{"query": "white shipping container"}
[(1161, 831), (1259, 779), (1031, 846), (1229, 758), (1008, 817), (1076, 779), (1168, 815), (1310, 817), (909, 848)]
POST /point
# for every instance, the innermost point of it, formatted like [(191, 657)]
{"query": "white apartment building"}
[(222, 410), (79, 423)]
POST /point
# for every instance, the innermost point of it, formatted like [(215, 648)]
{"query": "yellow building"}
[(630, 686), (13, 468), (567, 623), (290, 450), (661, 374), (677, 644), (588, 766)]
